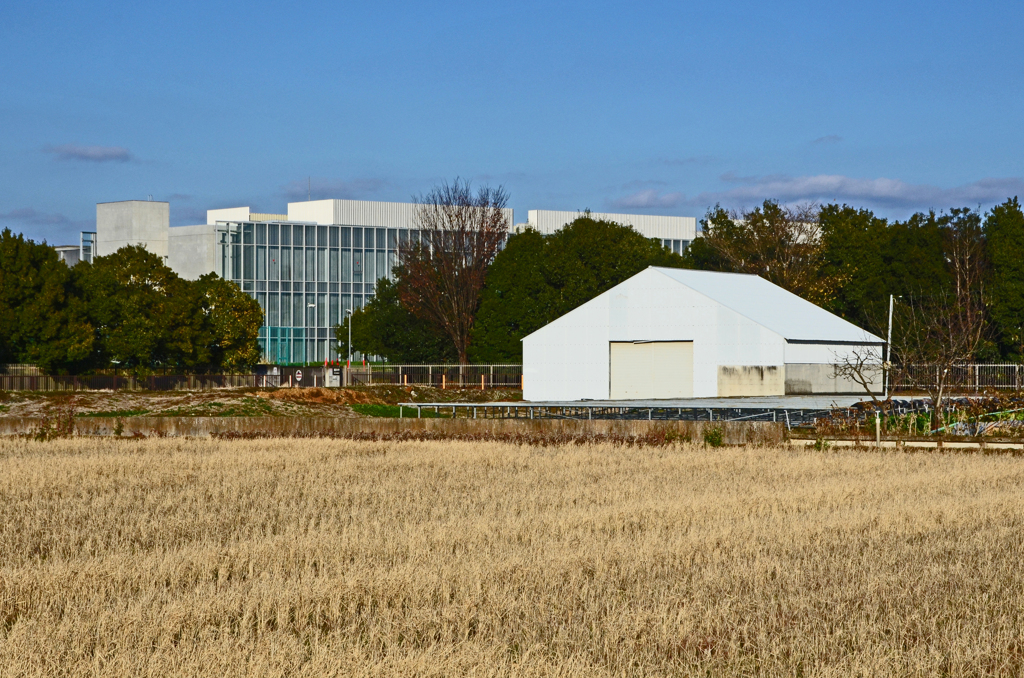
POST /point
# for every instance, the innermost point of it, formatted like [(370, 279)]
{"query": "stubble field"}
[(333, 557)]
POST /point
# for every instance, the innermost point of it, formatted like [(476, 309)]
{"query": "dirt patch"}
[(322, 396)]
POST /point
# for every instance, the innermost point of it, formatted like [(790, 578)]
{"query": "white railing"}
[(971, 377)]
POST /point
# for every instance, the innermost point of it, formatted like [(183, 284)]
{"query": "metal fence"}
[(441, 376), (967, 378), (107, 382)]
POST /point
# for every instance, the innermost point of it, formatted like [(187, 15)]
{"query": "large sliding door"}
[(651, 369)]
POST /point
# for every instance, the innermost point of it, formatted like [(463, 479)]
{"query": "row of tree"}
[(958, 276), (126, 311)]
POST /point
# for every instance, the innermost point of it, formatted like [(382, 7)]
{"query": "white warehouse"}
[(675, 333)]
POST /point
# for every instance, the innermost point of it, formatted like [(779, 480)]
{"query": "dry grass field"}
[(334, 557)]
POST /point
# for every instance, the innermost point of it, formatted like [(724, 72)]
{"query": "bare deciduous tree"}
[(441, 276), (864, 367)]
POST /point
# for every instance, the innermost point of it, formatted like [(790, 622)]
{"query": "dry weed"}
[(341, 557)]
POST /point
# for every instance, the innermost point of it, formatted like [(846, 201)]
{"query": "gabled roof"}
[(771, 306)]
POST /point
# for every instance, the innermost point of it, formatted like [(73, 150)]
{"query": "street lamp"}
[(348, 312)]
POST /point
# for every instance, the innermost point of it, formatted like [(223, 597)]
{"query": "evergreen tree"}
[(387, 329), (43, 322), (539, 278), (1004, 239)]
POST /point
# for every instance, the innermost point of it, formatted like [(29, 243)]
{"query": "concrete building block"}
[(132, 222)]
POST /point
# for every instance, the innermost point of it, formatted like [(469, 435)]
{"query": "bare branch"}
[(442, 275)]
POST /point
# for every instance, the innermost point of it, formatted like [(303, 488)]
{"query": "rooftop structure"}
[(673, 333)]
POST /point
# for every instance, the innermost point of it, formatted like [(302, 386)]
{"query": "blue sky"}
[(612, 106)]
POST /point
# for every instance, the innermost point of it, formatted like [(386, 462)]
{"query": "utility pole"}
[(888, 353)]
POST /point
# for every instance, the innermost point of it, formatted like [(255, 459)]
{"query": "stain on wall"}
[(751, 380)]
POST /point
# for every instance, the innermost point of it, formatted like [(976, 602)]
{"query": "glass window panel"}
[(392, 262), (298, 310), (310, 264), (310, 236), (332, 265), (334, 236), (273, 313), (298, 348), (273, 234), (346, 236), (246, 234), (297, 236), (236, 261), (321, 263), (261, 299), (321, 236), (261, 262), (357, 266), (286, 310), (685, 246), (414, 238), (392, 238), (247, 261), (286, 234), (403, 237), (357, 302), (381, 271), (261, 234), (346, 305), (357, 237), (310, 350), (675, 246), (346, 266), (380, 238), (274, 263), (286, 263), (332, 313), (321, 350), (297, 263), (321, 310), (368, 268)]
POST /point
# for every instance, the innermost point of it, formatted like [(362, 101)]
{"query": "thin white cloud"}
[(32, 217), (700, 160), (828, 139), (648, 199), (322, 189), (76, 152), (881, 192)]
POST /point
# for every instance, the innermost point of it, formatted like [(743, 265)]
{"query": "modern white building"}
[(675, 233), (673, 333), (307, 267)]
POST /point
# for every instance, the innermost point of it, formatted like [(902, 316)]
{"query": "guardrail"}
[(519, 410)]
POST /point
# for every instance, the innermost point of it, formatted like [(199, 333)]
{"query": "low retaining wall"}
[(732, 432)]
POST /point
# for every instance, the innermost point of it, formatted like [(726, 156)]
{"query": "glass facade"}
[(677, 246), (305, 278)]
